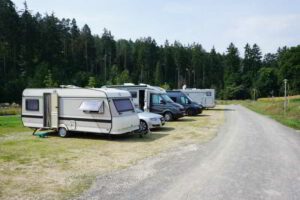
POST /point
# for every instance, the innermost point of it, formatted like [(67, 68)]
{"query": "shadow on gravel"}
[(200, 115), (222, 109), (163, 129), (183, 120), (154, 135)]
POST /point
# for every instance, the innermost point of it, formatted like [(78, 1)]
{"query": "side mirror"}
[(162, 101)]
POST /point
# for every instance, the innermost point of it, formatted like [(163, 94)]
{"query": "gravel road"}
[(253, 157)]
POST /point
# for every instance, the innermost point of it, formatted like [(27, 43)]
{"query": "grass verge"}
[(273, 107), (10, 111), (62, 168), (11, 124)]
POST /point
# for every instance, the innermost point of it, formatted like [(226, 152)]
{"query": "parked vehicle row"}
[(115, 109), (152, 99), (191, 108), (205, 97)]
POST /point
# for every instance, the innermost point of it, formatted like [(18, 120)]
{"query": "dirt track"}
[(253, 157)]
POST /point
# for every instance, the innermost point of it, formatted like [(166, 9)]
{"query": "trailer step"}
[(41, 134)]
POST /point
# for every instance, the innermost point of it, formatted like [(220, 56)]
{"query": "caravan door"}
[(54, 110), (50, 114), (147, 101), (47, 110), (210, 101)]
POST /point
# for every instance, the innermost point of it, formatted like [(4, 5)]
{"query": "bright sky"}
[(269, 23)]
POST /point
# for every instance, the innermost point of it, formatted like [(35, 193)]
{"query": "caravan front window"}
[(123, 105), (32, 104), (92, 106)]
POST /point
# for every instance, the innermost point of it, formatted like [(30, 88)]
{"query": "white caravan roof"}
[(140, 86), (195, 90), (78, 92)]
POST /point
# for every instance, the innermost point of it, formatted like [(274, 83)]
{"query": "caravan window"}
[(123, 105), (133, 94), (92, 106), (32, 104), (208, 94)]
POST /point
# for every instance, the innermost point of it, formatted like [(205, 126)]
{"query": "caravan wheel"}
[(62, 132)]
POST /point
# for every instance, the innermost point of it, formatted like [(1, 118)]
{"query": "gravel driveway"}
[(253, 157)]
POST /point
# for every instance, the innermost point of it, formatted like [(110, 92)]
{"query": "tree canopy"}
[(45, 51)]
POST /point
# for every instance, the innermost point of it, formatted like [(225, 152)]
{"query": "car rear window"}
[(123, 105)]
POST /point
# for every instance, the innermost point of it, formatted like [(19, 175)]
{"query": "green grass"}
[(274, 109), (11, 124), (62, 168)]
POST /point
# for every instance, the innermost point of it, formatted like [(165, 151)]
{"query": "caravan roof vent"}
[(129, 84), (69, 86)]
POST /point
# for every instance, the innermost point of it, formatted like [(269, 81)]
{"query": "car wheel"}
[(143, 126), (62, 132), (168, 116)]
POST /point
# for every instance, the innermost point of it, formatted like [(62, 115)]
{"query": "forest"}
[(44, 51)]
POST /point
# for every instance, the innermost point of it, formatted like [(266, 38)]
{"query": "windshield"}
[(167, 98), (189, 98)]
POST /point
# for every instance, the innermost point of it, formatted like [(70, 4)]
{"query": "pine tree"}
[(92, 82), (158, 77), (49, 82)]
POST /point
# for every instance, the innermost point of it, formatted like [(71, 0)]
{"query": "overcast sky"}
[(269, 23)]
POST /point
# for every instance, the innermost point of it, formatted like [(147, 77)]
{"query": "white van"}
[(109, 111), (205, 97)]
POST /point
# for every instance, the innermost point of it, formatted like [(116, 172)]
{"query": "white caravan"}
[(109, 111), (205, 97), (152, 99)]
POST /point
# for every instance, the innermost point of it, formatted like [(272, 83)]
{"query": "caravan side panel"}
[(32, 111), (197, 97), (77, 120)]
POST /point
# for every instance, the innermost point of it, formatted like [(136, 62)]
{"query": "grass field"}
[(273, 107), (11, 124), (61, 168)]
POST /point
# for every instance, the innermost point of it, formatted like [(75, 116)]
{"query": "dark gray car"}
[(163, 105), (191, 107)]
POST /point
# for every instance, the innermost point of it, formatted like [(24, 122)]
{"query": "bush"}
[(10, 111)]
